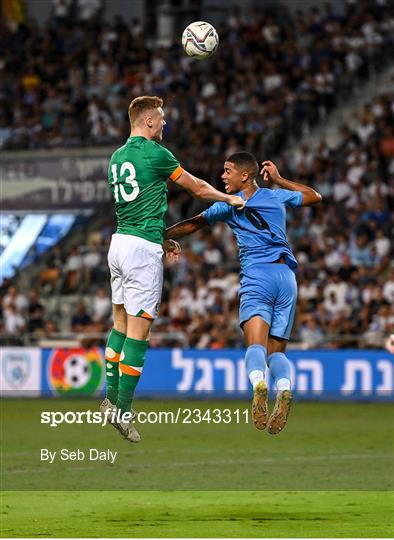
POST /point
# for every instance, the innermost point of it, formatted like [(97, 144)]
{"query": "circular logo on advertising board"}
[(16, 368), (75, 371)]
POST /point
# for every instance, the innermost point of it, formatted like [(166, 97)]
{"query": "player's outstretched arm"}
[(186, 227), (309, 195), (202, 190)]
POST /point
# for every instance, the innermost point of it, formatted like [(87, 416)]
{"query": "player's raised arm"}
[(205, 192), (309, 195), (186, 227)]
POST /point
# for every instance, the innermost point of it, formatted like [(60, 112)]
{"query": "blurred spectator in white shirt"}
[(101, 306), (14, 323), (388, 288), (212, 255), (88, 9), (311, 334), (338, 287), (16, 298), (91, 262), (302, 156), (333, 307), (308, 290), (342, 190), (72, 269), (74, 260), (61, 9), (365, 128), (382, 244)]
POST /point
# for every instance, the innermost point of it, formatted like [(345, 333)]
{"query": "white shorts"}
[(136, 268)]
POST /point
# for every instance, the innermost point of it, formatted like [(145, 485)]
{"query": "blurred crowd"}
[(69, 83), (343, 246)]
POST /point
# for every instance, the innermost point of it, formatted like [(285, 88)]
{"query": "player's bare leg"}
[(256, 333), (280, 371)]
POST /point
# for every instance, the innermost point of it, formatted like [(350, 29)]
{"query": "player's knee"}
[(276, 345), (256, 331), (138, 327)]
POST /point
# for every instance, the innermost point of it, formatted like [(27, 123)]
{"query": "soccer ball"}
[(76, 371), (200, 40)]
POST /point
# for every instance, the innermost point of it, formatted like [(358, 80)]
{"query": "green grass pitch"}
[(329, 474)]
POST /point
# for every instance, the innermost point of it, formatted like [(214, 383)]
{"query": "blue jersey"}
[(260, 228)]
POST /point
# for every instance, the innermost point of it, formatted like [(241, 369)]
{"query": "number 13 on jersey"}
[(120, 192)]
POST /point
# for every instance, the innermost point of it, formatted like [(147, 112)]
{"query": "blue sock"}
[(255, 363), (280, 370)]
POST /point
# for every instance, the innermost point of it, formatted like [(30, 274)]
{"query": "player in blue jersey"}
[(268, 288)]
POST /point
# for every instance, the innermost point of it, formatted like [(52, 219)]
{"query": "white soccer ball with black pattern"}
[(200, 40), (76, 371)]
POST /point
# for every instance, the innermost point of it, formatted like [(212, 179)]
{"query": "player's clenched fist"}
[(269, 170), (237, 202), (172, 250)]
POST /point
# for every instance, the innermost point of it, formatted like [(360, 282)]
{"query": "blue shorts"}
[(269, 291)]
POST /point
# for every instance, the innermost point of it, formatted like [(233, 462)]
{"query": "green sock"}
[(130, 368), (112, 355)]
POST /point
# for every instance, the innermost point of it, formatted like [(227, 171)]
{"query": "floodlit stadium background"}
[(305, 84)]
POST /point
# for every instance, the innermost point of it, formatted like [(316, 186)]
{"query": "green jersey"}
[(137, 175)]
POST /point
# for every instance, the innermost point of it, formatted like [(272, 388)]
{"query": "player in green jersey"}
[(137, 175)]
